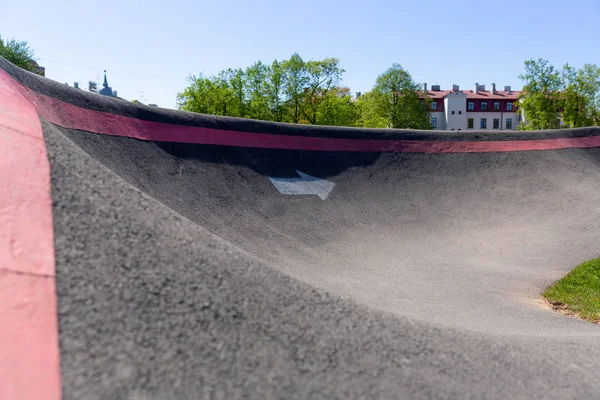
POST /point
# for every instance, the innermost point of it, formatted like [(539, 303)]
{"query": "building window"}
[(460, 112), (471, 106), (483, 123), (434, 122), (470, 123), (509, 106), (452, 112), (508, 123), (496, 106), (434, 106), (483, 105), (496, 123)]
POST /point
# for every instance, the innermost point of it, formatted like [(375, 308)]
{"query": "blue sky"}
[(151, 46)]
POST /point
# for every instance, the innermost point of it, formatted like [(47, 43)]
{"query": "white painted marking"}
[(306, 184)]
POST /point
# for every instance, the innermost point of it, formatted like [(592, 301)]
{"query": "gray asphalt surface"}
[(462, 240), (154, 306), (182, 273)]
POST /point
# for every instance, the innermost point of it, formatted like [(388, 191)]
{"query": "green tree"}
[(19, 53), (589, 76), (275, 88), (574, 104), (197, 96), (209, 95), (322, 78), (295, 78), (540, 102), (549, 94), (581, 96), (338, 109), (257, 91), (398, 100), (369, 115), (233, 82)]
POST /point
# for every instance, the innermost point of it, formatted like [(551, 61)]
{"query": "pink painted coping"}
[(29, 347)]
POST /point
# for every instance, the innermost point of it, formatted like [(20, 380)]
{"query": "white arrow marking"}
[(306, 184)]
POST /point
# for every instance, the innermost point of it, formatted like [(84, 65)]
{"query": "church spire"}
[(107, 90)]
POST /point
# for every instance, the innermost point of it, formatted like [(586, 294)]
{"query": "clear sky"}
[(151, 46)]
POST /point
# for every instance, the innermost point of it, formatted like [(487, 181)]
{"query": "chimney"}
[(425, 86), (435, 88), (493, 88), (482, 88), (507, 89), (476, 88), (455, 88)]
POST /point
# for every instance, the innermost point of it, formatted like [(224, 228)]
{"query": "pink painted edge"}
[(29, 343), (73, 117)]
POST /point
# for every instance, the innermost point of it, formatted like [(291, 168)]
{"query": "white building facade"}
[(477, 109)]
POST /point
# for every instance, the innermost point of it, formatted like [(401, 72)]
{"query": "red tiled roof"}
[(500, 95)]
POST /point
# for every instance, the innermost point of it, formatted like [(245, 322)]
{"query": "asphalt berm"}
[(182, 271)]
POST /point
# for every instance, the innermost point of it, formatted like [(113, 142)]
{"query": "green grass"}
[(578, 292)]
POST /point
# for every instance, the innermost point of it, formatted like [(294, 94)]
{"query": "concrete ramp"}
[(184, 256)]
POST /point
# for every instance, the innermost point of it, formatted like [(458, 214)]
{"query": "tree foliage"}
[(369, 112), (323, 78), (550, 94), (306, 92), (19, 53), (580, 101), (397, 98), (338, 109)]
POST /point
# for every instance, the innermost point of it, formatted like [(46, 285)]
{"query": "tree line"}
[(307, 92), (550, 94)]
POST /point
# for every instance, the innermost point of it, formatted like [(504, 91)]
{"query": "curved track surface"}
[(412, 267)]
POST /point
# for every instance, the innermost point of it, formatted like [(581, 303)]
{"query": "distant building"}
[(473, 109), (107, 90), (93, 88)]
